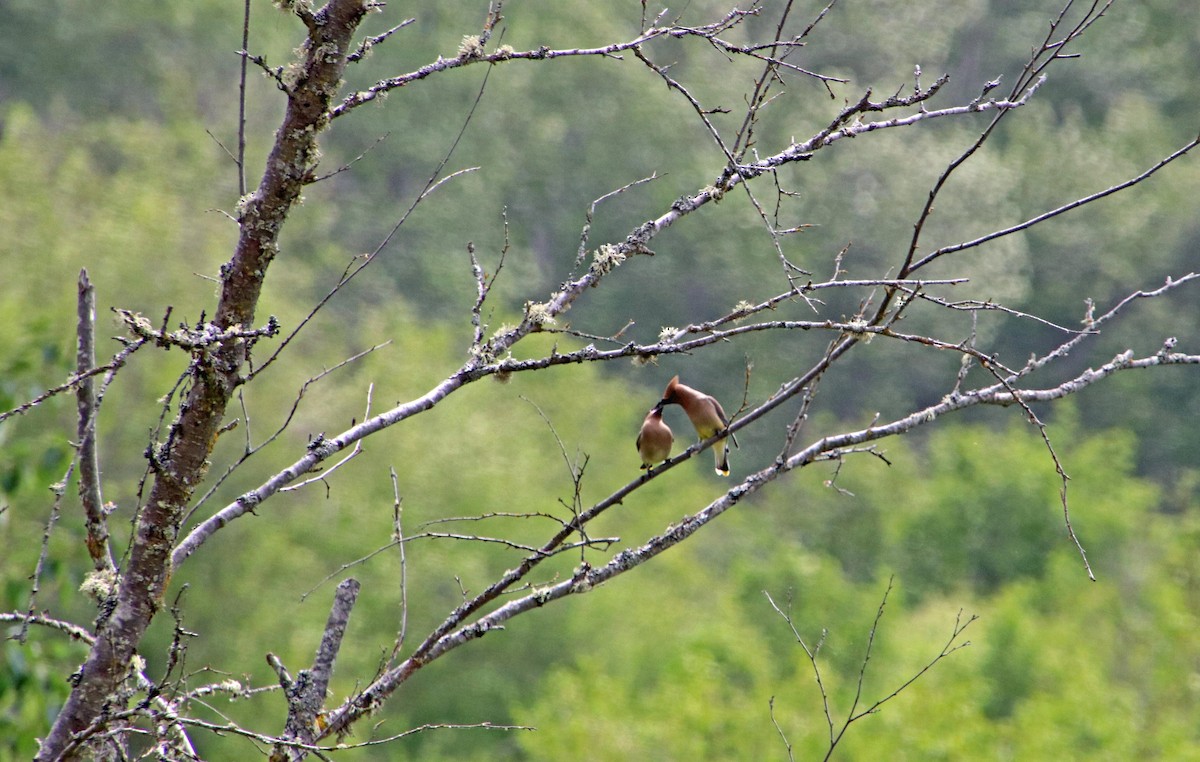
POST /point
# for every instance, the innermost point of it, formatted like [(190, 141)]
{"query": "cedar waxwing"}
[(654, 440), (705, 414)]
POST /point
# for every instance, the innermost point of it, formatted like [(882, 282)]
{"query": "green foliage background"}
[(105, 164)]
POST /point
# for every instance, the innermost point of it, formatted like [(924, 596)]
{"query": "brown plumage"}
[(706, 416), (655, 439)]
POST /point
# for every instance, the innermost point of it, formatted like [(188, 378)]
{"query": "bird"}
[(655, 439), (706, 415)]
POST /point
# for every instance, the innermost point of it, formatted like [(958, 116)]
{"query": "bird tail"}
[(721, 452)]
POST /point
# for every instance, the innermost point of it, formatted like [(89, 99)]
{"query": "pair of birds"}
[(655, 439)]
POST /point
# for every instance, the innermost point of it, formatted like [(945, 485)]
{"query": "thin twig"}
[(58, 490), (241, 131), (118, 361), (398, 540), (931, 256), (249, 450), (779, 729), (368, 43)]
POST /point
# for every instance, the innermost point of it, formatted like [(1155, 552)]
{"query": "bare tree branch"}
[(837, 730), (215, 373), (95, 520), (306, 696), (472, 51), (931, 256), (106, 707)]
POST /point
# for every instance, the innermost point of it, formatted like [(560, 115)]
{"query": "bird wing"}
[(724, 419)]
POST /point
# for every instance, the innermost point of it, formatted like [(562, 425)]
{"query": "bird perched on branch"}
[(655, 439), (706, 416)]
